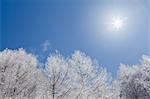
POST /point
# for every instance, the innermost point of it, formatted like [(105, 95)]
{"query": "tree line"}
[(75, 77)]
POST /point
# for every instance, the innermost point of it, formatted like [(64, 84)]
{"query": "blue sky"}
[(70, 25)]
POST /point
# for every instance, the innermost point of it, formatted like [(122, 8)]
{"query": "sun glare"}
[(117, 23)]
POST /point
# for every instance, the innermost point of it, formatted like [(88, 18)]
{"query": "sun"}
[(117, 23), (116, 26)]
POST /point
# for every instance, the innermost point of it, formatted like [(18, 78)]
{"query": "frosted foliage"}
[(146, 59), (17, 75), (134, 80), (58, 75), (88, 82), (75, 77)]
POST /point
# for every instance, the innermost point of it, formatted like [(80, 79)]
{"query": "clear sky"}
[(68, 25)]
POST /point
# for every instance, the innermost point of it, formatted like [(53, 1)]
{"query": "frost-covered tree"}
[(90, 79), (78, 77), (113, 91), (58, 75), (134, 81), (19, 78), (75, 77)]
